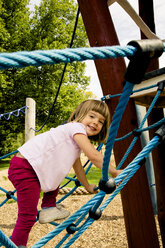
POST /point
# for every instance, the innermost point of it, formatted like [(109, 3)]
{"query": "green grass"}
[(93, 175)]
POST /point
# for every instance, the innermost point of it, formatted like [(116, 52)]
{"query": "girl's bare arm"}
[(80, 173), (94, 156)]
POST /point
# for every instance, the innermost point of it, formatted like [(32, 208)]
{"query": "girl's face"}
[(93, 122)]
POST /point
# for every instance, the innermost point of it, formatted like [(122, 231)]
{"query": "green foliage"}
[(4, 163), (49, 27), (14, 16)]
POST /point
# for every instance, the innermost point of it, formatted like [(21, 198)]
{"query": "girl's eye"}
[(91, 116), (101, 122)]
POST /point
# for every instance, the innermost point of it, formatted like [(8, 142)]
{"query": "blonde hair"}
[(93, 105)]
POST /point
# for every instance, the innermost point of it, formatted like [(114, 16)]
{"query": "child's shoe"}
[(54, 213)]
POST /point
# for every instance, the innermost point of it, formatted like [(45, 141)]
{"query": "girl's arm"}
[(84, 143), (80, 173), (94, 156)]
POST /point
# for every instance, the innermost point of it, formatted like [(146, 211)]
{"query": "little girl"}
[(45, 160)]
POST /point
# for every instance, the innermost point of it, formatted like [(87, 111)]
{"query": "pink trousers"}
[(26, 182)]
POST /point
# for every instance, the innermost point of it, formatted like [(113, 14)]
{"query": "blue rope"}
[(68, 194), (97, 202), (123, 102), (9, 154), (73, 228), (140, 130), (141, 125), (69, 221), (115, 126), (38, 58), (129, 172), (6, 241), (11, 196), (131, 167), (62, 240), (42, 57), (15, 113), (107, 97), (158, 123)]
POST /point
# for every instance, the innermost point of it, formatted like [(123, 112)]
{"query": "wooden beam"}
[(145, 97), (146, 101), (137, 205)]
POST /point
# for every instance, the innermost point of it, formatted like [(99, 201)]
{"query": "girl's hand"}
[(91, 188)]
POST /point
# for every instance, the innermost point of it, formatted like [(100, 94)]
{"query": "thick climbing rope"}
[(128, 172), (78, 191), (4, 240), (42, 57), (127, 91), (97, 199), (84, 209), (126, 175)]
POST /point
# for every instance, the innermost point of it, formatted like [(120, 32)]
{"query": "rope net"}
[(91, 211)]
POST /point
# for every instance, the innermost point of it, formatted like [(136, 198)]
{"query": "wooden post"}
[(146, 11), (29, 119), (137, 205)]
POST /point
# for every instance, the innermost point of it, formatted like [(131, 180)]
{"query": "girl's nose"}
[(95, 121)]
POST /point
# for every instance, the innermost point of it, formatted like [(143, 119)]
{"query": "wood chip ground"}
[(107, 232)]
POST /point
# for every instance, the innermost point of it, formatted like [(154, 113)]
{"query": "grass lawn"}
[(93, 176)]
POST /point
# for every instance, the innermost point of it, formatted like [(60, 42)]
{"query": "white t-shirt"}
[(53, 153)]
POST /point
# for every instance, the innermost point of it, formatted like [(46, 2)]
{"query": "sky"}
[(126, 30)]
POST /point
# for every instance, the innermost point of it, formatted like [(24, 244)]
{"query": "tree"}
[(14, 16), (50, 27)]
